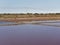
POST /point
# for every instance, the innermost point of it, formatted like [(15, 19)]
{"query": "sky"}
[(29, 6)]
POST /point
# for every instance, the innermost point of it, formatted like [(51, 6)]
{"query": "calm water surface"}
[(4, 22), (29, 34)]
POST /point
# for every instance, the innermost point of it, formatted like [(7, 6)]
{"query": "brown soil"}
[(29, 19)]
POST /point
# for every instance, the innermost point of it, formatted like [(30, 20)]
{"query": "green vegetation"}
[(27, 15)]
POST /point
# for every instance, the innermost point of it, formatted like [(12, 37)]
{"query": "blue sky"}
[(29, 6)]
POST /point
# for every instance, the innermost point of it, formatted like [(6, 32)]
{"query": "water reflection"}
[(55, 23), (48, 24), (29, 34)]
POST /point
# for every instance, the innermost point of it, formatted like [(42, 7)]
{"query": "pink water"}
[(28, 34)]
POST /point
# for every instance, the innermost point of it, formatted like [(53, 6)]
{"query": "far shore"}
[(29, 19)]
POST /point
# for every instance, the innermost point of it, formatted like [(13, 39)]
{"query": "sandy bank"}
[(29, 19)]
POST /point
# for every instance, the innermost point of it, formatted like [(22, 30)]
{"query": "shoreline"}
[(29, 19), (46, 23), (43, 24)]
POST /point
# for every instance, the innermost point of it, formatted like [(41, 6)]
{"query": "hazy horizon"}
[(29, 6)]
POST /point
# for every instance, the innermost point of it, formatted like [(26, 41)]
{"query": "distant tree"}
[(57, 13), (22, 14), (29, 13), (36, 14)]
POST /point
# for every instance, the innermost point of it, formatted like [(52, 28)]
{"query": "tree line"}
[(29, 14)]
